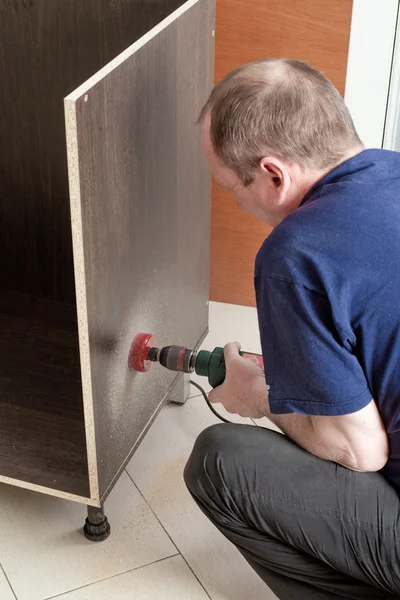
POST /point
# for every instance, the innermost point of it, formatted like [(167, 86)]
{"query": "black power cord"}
[(210, 406)]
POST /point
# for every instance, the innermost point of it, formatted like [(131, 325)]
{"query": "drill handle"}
[(212, 364)]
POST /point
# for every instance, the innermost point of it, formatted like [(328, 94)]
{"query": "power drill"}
[(184, 360)]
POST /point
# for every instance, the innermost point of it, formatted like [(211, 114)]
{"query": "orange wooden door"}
[(316, 31)]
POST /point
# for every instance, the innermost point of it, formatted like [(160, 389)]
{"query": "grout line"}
[(8, 581), (172, 541), (111, 577), (153, 513), (195, 396), (196, 577)]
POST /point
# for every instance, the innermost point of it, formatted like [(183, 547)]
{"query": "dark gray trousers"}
[(310, 528)]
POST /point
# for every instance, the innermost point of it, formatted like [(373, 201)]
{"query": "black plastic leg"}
[(97, 527)]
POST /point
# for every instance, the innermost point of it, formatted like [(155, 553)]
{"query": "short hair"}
[(280, 107)]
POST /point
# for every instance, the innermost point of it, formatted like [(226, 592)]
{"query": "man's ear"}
[(279, 176)]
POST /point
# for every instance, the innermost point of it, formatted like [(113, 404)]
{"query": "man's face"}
[(257, 199)]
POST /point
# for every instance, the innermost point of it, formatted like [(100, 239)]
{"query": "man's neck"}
[(306, 179), (312, 177)]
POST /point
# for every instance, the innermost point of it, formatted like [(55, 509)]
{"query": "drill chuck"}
[(174, 358), (186, 360)]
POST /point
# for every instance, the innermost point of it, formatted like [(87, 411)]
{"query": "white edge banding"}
[(372, 34), (48, 491), (89, 83), (80, 287)]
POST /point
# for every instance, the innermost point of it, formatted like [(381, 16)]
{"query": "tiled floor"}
[(161, 547)]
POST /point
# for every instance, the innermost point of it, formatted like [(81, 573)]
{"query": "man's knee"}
[(220, 455), (235, 456), (211, 446)]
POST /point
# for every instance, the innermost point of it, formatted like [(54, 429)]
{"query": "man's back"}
[(328, 295), (310, 510)]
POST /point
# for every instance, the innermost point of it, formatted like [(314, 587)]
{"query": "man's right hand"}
[(244, 391)]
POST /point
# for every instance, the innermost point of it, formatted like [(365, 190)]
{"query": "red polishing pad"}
[(137, 360)]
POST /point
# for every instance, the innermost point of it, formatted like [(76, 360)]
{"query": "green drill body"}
[(204, 363)]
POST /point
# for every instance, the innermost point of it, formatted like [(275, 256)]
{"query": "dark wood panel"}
[(144, 192), (42, 435), (316, 31), (47, 48)]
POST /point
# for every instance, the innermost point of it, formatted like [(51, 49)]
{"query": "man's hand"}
[(244, 391), (357, 441)]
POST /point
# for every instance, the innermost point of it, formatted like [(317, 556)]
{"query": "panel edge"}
[(80, 288), (33, 487), (89, 83)]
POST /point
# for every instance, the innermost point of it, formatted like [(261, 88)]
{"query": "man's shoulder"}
[(283, 251), (336, 223)]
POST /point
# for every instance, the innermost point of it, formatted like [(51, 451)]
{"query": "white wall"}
[(391, 139), (372, 38)]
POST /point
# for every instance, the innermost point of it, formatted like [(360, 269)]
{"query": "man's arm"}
[(357, 441)]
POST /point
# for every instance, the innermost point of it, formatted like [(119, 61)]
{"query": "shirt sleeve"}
[(307, 366)]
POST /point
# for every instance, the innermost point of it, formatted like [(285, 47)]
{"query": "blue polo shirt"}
[(328, 297)]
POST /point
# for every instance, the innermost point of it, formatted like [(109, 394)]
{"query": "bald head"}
[(279, 107)]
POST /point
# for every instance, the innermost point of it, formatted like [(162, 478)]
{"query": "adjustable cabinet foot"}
[(97, 527)]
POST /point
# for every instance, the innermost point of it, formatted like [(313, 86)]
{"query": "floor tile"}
[(157, 470), (6, 592), (44, 553), (169, 579), (230, 323)]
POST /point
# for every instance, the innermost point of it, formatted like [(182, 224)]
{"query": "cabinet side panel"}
[(145, 206)]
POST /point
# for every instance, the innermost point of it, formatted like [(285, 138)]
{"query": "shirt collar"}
[(359, 162)]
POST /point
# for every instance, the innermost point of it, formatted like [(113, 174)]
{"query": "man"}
[(316, 513)]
